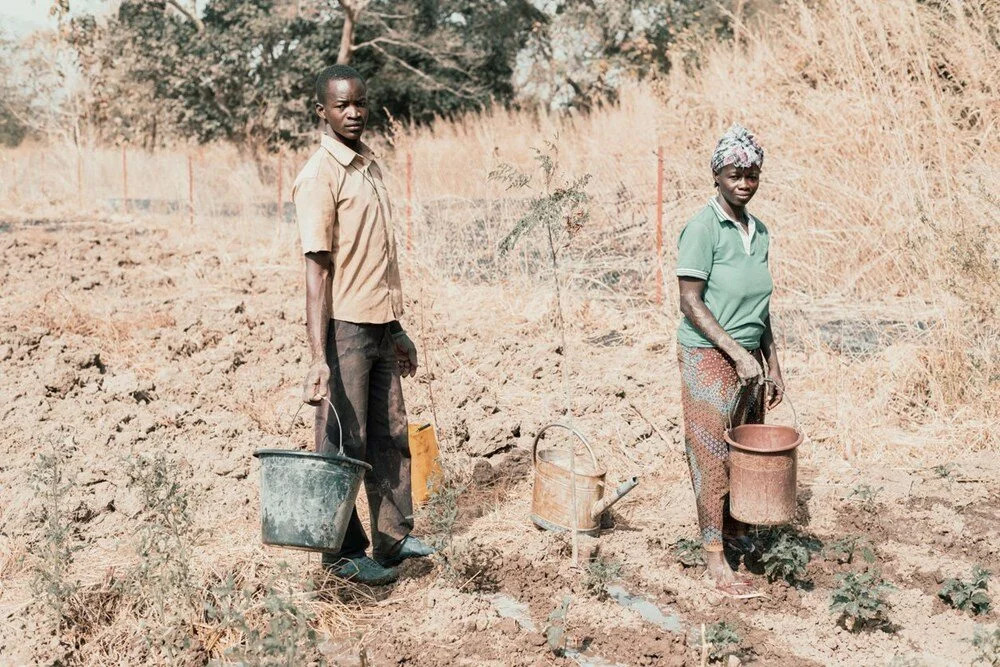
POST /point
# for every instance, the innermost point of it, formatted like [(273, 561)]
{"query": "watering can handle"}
[(340, 428), (736, 395), (534, 446)]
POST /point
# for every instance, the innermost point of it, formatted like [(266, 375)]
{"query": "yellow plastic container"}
[(425, 464)]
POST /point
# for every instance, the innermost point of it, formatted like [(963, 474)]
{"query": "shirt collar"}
[(724, 217), (343, 154)]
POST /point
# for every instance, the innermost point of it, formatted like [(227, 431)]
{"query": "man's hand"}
[(406, 354), (317, 383), (748, 368), (777, 390)]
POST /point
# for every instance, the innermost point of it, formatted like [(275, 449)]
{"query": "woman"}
[(724, 340)]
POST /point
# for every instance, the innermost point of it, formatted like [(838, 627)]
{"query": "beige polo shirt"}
[(342, 207)]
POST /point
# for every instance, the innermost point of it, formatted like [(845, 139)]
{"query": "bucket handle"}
[(340, 429), (534, 446), (736, 396)]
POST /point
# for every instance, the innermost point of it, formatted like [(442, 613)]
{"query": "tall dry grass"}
[(879, 121)]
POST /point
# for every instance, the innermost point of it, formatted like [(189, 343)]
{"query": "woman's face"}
[(738, 184)]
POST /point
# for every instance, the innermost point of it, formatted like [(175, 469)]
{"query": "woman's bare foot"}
[(718, 568), (726, 581)]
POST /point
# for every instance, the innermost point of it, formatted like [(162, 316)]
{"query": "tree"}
[(13, 105), (584, 51)]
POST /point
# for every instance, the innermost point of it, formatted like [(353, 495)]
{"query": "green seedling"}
[(164, 581), (723, 639), (51, 583), (987, 645), (843, 550), (786, 558), (561, 206), (440, 512), (943, 471), (689, 553), (860, 600), (601, 572), (865, 495), (555, 631), (270, 628), (969, 595)]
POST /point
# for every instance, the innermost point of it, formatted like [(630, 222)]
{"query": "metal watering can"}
[(568, 493)]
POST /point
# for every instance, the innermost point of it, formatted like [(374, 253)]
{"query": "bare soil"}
[(119, 337)]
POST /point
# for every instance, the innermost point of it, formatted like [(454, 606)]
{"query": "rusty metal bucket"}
[(569, 492), (763, 463)]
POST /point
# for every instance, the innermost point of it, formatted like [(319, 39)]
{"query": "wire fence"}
[(619, 254)]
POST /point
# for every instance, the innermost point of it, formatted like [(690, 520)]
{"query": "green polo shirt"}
[(734, 267)]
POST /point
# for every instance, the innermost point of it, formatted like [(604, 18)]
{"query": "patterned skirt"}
[(709, 394)]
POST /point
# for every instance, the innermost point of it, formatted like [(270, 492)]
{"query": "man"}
[(359, 349)]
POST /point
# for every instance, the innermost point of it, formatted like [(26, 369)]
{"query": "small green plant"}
[(601, 572), (904, 661), (51, 584), (555, 631), (164, 582), (715, 641), (860, 601), (723, 639), (561, 206), (688, 552), (943, 471), (866, 496), (472, 565), (969, 595), (987, 645), (271, 629), (440, 511), (843, 549), (787, 557)]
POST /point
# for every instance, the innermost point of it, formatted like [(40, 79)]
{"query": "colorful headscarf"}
[(737, 147)]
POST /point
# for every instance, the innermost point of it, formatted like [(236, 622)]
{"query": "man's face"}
[(738, 184), (345, 108)]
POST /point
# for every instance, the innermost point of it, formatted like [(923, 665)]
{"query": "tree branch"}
[(189, 14), (434, 83)]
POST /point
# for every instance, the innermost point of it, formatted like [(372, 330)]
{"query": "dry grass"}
[(880, 124), (880, 121)]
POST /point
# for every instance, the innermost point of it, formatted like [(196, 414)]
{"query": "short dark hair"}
[(334, 73)]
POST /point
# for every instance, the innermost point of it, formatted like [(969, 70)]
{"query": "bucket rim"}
[(760, 450), (298, 453)]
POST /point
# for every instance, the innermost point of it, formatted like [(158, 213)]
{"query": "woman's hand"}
[(777, 389), (748, 368)]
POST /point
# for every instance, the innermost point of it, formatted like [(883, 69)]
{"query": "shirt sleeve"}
[(695, 249), (316, 213)]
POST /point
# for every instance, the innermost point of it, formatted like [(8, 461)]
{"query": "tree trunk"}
[(351, 12)]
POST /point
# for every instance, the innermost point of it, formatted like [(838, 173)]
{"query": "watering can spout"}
[(604, 503)]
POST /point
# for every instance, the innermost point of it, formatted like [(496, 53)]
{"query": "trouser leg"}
[(349, 355), (389, 494), (707, 383)]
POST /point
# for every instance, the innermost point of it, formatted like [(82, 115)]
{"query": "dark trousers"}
[(365, 388)]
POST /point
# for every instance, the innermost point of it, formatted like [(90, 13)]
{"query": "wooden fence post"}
[(409, 196), (124, 180), (79, 177), (659, 225), (190, 190), (281, 185)]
